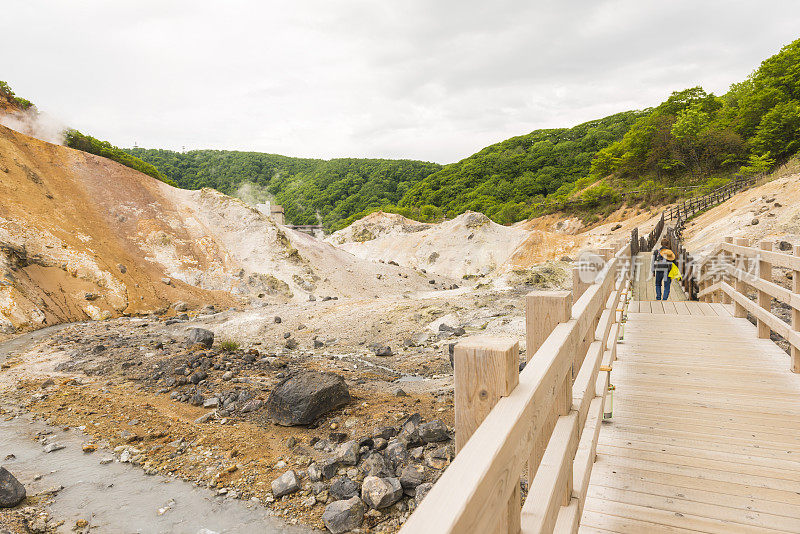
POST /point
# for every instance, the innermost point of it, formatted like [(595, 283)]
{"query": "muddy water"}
[(120, 498)]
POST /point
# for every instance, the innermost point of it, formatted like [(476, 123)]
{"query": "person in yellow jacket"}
[(662, 268)]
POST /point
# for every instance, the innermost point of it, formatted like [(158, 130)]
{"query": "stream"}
[(117, 497)]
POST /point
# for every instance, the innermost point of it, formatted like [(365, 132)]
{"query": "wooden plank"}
[(633, 306), (722, 310), (774, 258), (685, 522), (795, 352), (698, 441), (764, 300), (669, 307), (657, 307), (681, 308), (546, 494), (694, 308), (681, 505), (706, 309)]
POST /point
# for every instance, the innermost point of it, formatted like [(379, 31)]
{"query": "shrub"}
[(229, 345)]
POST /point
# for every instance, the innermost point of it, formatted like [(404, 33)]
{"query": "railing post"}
[(544, 310), (764, 299), (485, 369), (796, 314), (740, 285), (727, 260)]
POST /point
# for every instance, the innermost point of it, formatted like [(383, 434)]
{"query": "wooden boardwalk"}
[(705, 435)]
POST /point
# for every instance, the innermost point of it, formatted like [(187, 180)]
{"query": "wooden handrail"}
[(476, 492), (712, 198), (732, 256)]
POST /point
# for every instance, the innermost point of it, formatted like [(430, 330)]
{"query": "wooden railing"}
[(546, 417), (734, 268), (646, 243), (689, 207)]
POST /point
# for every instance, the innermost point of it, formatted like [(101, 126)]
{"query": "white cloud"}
[(421, 79)]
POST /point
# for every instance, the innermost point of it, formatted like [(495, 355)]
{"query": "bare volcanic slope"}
[(768, 212), (375, 225), (82, 236), (469, 245)]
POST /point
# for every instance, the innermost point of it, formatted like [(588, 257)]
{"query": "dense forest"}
[(504, 180), (695, 137), (311, 191)]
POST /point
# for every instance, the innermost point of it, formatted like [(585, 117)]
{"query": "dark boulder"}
[(12, 492), (304, 397)]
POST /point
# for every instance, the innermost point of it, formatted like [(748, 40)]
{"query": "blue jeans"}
[(661, 277)]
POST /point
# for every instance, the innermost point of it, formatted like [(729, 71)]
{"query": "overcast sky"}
[(424, 79)]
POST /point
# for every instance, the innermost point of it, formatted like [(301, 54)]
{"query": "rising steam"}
[(36, 124)]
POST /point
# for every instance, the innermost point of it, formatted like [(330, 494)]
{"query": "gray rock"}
[(205, 418), (52, 447), (396, 453), (379, 444), (213, 402), (421, 491), (200, 336), (347, 453), (375, 466), (12, 492), (304, 397), (386, 432), (314, 473), (754, 221), (433, 431), (180, 306), (409, 431), (329, 467), (383, 351), (251, 406), (277, 320), (343, 488), (381, 492), (785, 246), (342, 516), (285, 484), (411, 477)]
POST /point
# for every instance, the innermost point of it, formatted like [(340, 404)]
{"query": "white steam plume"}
[(36, 124)]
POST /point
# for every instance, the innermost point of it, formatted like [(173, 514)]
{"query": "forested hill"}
[(501, 180), (311, 191), (693, 138), (504, 180)]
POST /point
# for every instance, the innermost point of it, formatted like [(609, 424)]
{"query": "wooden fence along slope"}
[(706, 431)]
